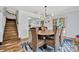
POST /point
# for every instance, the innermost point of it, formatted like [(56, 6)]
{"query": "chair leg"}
[(76, 48), (34, 47)]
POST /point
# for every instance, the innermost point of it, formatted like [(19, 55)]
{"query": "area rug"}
[(67, 46)]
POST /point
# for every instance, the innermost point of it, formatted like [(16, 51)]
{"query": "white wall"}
[(22, 24), (9, 13), (10, 16), (2, 25), (71, 23), (35, 22)]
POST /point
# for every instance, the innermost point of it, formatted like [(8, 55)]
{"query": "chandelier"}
[(43, 16)]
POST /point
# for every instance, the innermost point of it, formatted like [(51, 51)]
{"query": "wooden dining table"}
[(46, 32), (44, 35)]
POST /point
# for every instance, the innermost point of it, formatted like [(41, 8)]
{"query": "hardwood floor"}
[(11, 43), (10, 46)]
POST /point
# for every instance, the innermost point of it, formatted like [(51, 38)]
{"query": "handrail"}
[(10, 12)]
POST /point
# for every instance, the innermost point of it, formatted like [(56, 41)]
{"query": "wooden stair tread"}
[(7, 38)]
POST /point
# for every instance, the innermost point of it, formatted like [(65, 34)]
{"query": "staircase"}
[(11, 42), (10, 30)]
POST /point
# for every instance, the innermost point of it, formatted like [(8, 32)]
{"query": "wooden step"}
[(10, 38), (8, 28), (10, 21), (12, 26), (11, 35), (9, 25), (10, 31)]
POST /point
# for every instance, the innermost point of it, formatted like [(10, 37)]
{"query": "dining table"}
[(46, 32), (44, 35)]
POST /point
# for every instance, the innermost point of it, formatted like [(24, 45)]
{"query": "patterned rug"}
[(67, 46)]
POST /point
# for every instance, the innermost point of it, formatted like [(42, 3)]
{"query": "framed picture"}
[(61, 22)]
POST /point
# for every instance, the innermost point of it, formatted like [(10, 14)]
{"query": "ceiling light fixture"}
[(43, 16)]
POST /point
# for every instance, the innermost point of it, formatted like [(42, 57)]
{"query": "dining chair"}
[(58, 38), (35, 44), (54, 25), (51, 41)]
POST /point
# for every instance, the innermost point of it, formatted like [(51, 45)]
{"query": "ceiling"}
[(40, 9)]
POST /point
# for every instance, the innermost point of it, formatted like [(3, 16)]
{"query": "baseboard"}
[(0, 43)]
